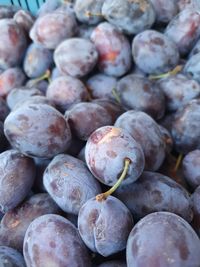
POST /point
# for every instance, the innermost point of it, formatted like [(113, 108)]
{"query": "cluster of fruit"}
[(100, 96)]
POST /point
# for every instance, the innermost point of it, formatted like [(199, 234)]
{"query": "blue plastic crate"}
[(31, 5)]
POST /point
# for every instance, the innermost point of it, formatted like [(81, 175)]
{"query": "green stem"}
[(103, 196), (116, 96), (175, 71), (178, 162), (43, 77)]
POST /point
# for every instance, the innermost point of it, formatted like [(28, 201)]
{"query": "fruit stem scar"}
[(103, 196), (175, 71)]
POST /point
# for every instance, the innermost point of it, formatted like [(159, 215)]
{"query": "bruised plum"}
[(76, 57), (86, 11), (37, 60), (17, 173), (139, 93), (24, 19), (155, 192), (113, 48), (184, 29), (105, 225), (69, 183), (163, 239), (65, 91), (52, 240), (10, 79), (154, 53), (86, 117), (15, 222), (12, 44), (52, 28), (131, 17), (37, 130), (105, 153), (147, 133)]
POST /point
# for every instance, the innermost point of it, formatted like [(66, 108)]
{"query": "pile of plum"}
[(100, 134)]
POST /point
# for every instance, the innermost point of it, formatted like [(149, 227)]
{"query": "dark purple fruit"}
[(69, 183), (52, 240), (17, 173), (37, 130), (105, 225), (15, 222), (105, 153), (163, 239)]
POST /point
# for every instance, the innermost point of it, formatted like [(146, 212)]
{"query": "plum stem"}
[(103, 196), (116, 96), (43, 77), (175, 71), (178, 162)]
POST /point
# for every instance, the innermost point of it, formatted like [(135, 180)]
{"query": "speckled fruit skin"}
[(17, 174), (65, 91), (37, 130), (154, 52), (163, 239), (76, 57), (113, 48), (16, 221), (139, 93), (105, 153), (13, 44), (105, 225), (69, 183), (86, 11), (85, 117), (131, 17), (147, 133), (52, 28), (184, 30), (153, 192), (52, 240)]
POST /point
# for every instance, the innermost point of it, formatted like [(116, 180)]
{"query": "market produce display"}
[(100, 134)]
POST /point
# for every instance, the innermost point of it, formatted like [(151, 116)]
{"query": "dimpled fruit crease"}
[(100, 133)]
